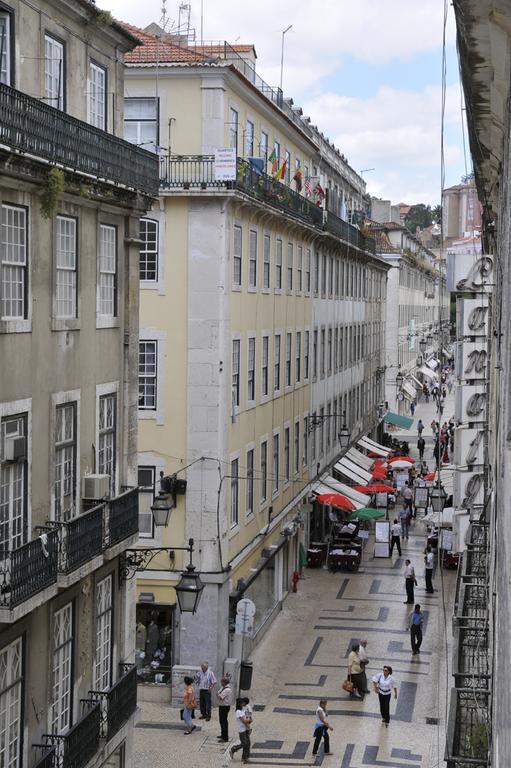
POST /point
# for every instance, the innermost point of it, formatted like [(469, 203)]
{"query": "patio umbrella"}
[(337, 500), (380, 473), (366, 513), (430, 476), (400, 465), (374, 488), (401, 458)]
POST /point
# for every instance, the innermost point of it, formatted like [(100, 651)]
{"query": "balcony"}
[(29, 126), (348, 233), (81, 539), (28, 570), (122, 517), (79, 745), (45, 756), (119, 702)]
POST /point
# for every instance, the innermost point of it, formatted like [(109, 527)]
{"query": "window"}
[(288, 168), (234, 492), (321, 431), (263, 145), (237, 268), (252, 259), (315, 354), (336, 350), (236, 372), (296, 464), (290, 266), (266, 262), (54, 72), (287, 457), (322, 355), (251, 370), (308, 270), (149, 249), (323, 275), (13, 480), (313, 438), (145, 483), (264, 366), (305, 442), (249, 501), (316, 273), (331, 276), (276, 463), (249, 139), (104, 612), (278, 265), (276, 148), (5, 47), (66, 267), (11, 692), (276, 364), (298, 357), (147, 374), (14, 263), (329, 352), (264, 470), (288, 359), (62, 670), (65, 462), (107, 435), (97, 96), (233, 129), (306, 356), (141, 122), (107, 282), (328, 414), (299, 285)]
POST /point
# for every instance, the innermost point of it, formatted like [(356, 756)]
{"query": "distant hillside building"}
[(461, 210)]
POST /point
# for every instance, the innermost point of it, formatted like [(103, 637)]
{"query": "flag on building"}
[(319, 191), (273, 159), (308, 186), (297, 178), (281, 172)]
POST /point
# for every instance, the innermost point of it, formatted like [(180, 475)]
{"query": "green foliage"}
[(479, 740), (85, 191), (105, 18), (419, 215), (437, 214), (52, 192)]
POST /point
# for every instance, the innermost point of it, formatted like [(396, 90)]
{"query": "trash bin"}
[(246, 669)]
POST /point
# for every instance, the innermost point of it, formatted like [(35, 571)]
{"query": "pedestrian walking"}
[(384, 684), (412, 407), (420, 427), (407, 493), (410, 582), (395, 537), (421, 444), (364, 661), (206, 681), (404, 518), (225, 697), (321, 728), (189, 705), (415, 624), (243, 723), (428, 562), (355, 672)]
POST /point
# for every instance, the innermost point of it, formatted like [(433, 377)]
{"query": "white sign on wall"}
[(472, 360), (225, 164), (469, 272), (468, 489), (473, 316), (469, 447), (471, 403)]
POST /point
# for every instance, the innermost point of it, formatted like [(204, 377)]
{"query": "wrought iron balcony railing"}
[(79, 745), (42, 131), (121, 518), (28, 570), (119, 702), (348, 233), (468, 729), (81, 539), (45, 756)]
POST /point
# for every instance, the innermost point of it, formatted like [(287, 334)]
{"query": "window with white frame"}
[(298, 357), (322, 354), (276, 363), (299, 257), (237, 257), (66, 283), (11, 698), (54, 72), (315, 354), (5, 47), (104, 613), (62, 670), (313, 438), (306, 355), (233, 128), (328, 425), (290, 266), (287, 457), (14, 263), (329, 351), (276, 463), (264, 471), (308, 270), (288, 168), (336, 350), (234, 492), (289, 338), (236, 344), (316, 273), (107, 437), (323, 275), (305, 442), (146, 477), (251, 369), (13, 479), (252, 259), (278, 264), (149, 249), (141, 122), (107, 271), (65, 462), (147, 375), (249, 139), (321, 440), (296, 461), (263, 145), (266, 262), (97, 96), (264, 365), (249, 501)]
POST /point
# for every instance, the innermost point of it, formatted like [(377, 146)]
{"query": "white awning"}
[(428, 372), (320, 489), (363, 461), (415, 381), (446, 353), (433, 363), (409, 390), (353, 472), (360, 499), (372, 446)]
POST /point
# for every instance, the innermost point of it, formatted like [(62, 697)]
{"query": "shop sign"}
[(469, 447), (469, 272), (471, 404), (245, 612), (472, 360), (468, 489), (473, 316)]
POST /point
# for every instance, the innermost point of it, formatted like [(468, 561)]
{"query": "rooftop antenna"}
[(163, 14)]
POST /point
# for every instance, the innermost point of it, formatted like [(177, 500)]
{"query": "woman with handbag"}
[(383, 685), (355, 674), (189, 704)]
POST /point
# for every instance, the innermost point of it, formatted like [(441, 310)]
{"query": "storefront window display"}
[(153, 643), (263, 591)]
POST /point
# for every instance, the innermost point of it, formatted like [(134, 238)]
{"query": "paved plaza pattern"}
[(303, 658)]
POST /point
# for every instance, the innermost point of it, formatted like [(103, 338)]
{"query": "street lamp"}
[(163, 503), (282, 54), (399, 379), (423, 345), (189, 587), (438, 497), (344, 433)]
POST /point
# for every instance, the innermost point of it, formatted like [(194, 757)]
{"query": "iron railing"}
[(122, 517), (79, 745), (27, 570), (81, 539), (348, 233), (29, 126), (119, 702), (468, 729), (45, 756)]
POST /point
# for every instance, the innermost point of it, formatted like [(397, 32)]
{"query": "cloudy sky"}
[(368, 72)]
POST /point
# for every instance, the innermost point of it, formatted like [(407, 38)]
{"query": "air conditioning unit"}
[(95, 487), (14, 448)]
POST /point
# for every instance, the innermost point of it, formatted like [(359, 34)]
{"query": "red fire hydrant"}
[(295, 578)]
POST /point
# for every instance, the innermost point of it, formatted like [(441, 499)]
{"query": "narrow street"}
[(303, 658)]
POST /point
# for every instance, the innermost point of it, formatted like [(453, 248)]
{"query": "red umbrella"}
[(379, 474), (336, 500), (430, 476), (374, 488), (402, 458)]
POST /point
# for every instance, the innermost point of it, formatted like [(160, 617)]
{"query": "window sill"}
[(266, 291), (107, 322), (278, 291), (275, 493), (236, 288), (65, 324), (234, 530), (250, 405), (15, 326)]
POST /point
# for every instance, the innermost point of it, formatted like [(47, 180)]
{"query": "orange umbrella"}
[(374, 488), (337, 500), (401, 458)]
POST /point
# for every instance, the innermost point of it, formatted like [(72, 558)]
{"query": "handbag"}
[(348, 686), (181, 713)]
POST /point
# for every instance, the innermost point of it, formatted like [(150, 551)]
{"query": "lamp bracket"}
[(133, 561)]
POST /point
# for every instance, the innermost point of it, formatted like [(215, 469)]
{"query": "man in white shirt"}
[(429, 562), (395, 537), (206, 681), (409, 582)]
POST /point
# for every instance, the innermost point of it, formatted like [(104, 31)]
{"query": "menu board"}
[(382, 530), (420, 498)]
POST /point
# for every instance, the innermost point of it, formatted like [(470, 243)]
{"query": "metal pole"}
[(282, 54)]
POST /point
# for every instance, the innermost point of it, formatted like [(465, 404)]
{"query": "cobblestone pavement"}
[(303, 658)]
